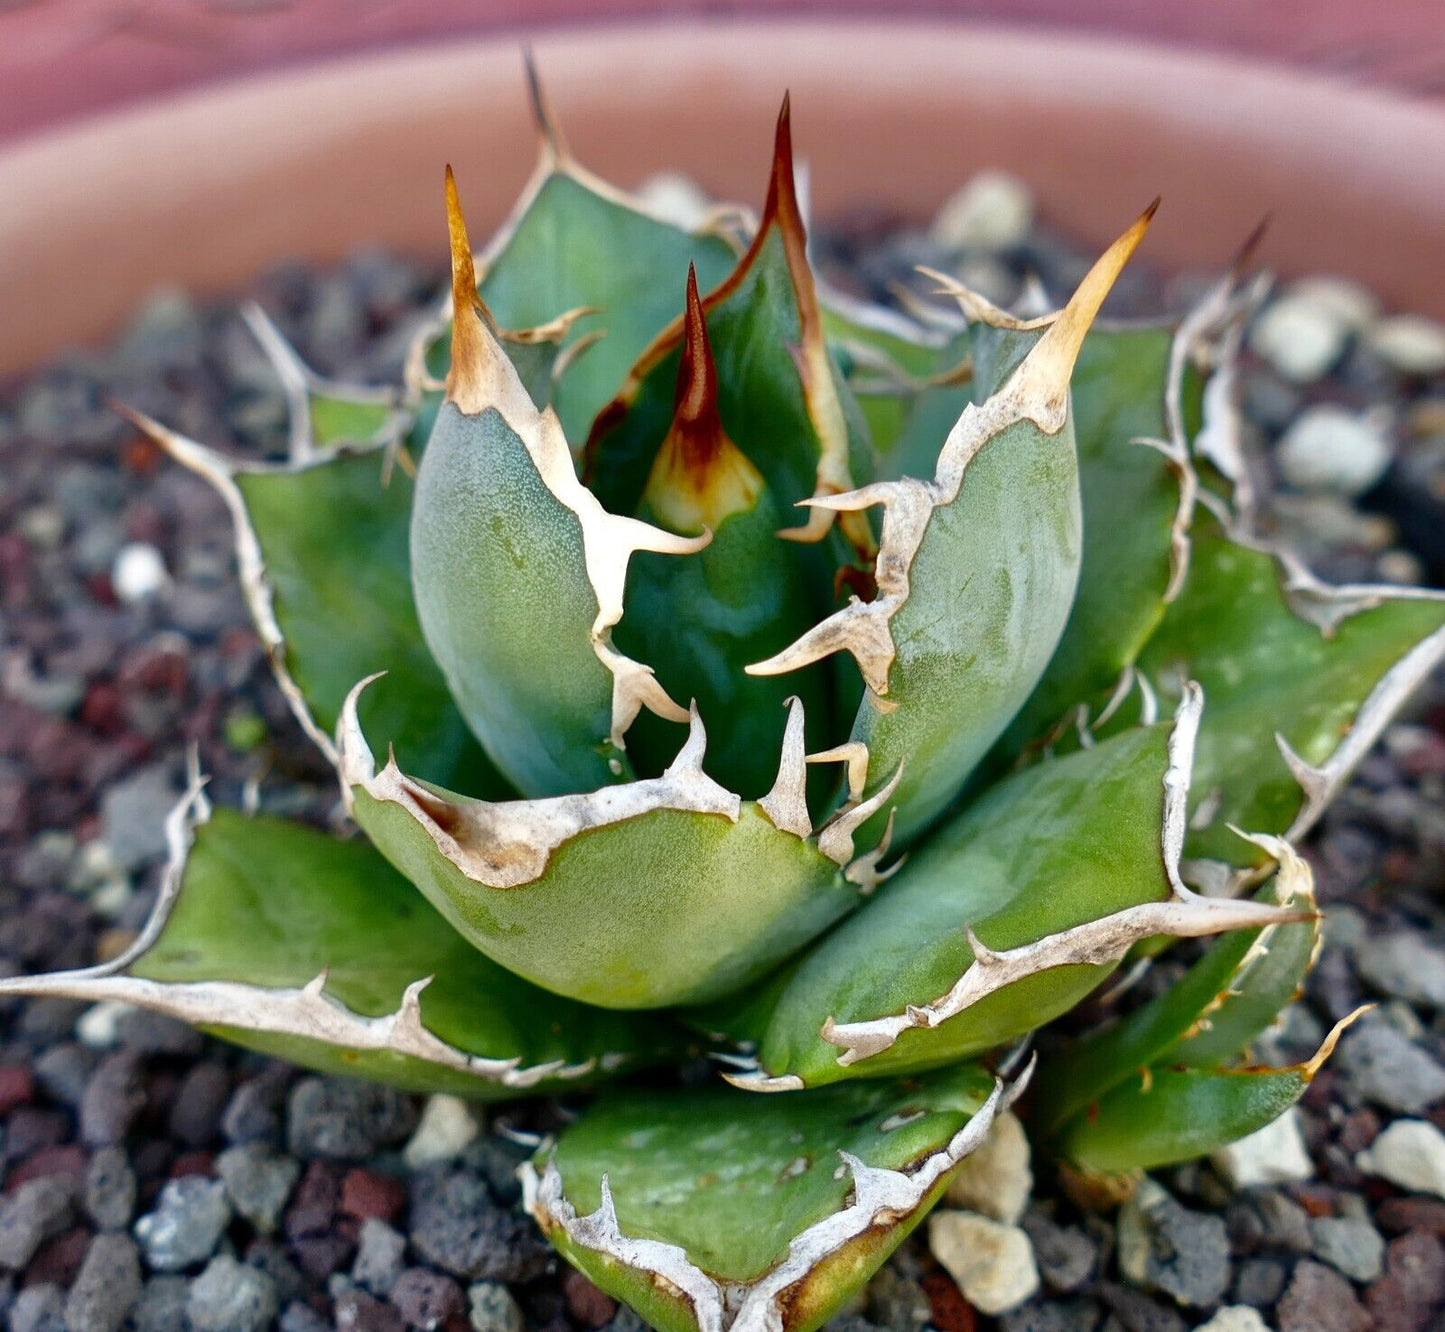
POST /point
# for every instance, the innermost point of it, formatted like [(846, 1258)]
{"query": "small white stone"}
[(1235, 1318), (1411, 344), (996, 1179), (97, 1026), (993, 1264), (1327, 448), (1300, 338), (675, 198), (1275, 1154), (1354, 306), (446, 1127), (1410, 1154), (994, 211), (138, 574)]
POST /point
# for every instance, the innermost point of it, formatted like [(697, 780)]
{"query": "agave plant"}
[(855, 799)]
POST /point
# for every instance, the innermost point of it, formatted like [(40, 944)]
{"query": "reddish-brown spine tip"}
[(696, 425), (464, 275), (782, 200)]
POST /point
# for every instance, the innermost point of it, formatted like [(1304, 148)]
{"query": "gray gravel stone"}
[(162, 1305), (231, 1297), (113, 1097), (1165, 1246), (36, 1210), (1350, 1245), (380, 1256), (1286, 1223), (186, 1225), (110, 1188), (154, 1034), (1065, 1254), (64, 1069), (492, 1308), (201, 1099), (456, 1226), (254, 1110), (1404, 966), (425, 1298), (1259, 1282), (258, 1181), (356, 1311), (298, 1317), (344, 1120), (1056, 1316), (106, 1287), (1137, 1312), (39, 1308), (1380, 1064), (133, 814)]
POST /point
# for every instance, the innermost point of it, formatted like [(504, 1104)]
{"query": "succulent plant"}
[(854, 800)]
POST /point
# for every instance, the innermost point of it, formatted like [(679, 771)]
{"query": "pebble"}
[(107, 1286), (231, 1296), (356, 1311), (993, 211), (447, 1126), (1300, 336), (30, 1215), (992, 1264), (113, 1097), (186, 1225), (1165, 1246), (1410, 344), (1330, 449), (995, 1180), (341, 1119), (1259, 1282), (39, 1308), (587, 1305), (1135, 1311), (1410, 1153), (298, 1317), (368, 1193), (258, 1181), (1235, 1318), (1404, 966), (195, 1116), (491, 1307), (1055, 1316), (162, 1305), (1413, 1287), (1275, 1154), (380, 1256), (426, 1299), (139, 572), (1066, 1255), (1350, 1245), (133, 815), (110, 1189), (254, 1108), (1320, 1300), (1355, 307), (456, 1226)]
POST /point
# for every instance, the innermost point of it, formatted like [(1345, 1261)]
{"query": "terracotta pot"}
[(206, 189)]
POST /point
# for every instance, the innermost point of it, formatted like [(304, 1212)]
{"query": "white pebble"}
[(993, 1264), (675, 198), (996, 1179), (1411, 344), (994, 211), (1275, 1154), (1327, 448), (447, 1126), (1235, 1318), (1410, 1154), (138, 574), (1354, 306), (96, 1027), (1300, 337)]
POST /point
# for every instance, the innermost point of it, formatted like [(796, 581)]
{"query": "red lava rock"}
[(193, 1163), (60, 1259), (314, 1203), (1317, 1201), (1359, 1130), (358, 1312), (1397, 1215), (588, 1305), (370, 1194), (1412, 1290), (17, 1087), (31, 1128), (67, 1160), (425, 1298), (321, 1255), (1319, 1299), (140, 455), (950, 1311), (100, 709)]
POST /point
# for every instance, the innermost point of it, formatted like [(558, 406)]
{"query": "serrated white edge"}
[(879, 1197), (308, 1012), (1182, 913), (1037, 391)]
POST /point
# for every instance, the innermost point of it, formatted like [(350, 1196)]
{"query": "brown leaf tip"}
[(782, 201), (696, 402)]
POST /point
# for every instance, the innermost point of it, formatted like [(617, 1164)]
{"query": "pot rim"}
[(211, 186)]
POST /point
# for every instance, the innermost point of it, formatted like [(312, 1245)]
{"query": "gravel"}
[(272, 1198)]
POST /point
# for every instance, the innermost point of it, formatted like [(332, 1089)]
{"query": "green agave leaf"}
[(1162, 1116), (322, 549), (1237, 989), (1003, 920), (283, 939), (1301, 680), (709, 1209), (519, 572), (700, 620), (663, 891), (976, 572)]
